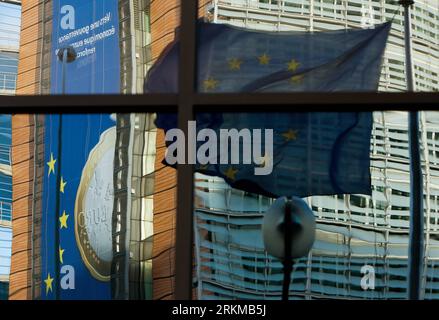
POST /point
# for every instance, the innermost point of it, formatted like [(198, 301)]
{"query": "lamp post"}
[(416, 244), (65, 55), (289, 232)]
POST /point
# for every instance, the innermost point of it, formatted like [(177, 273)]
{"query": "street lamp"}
[(289, 232), (65, 55)]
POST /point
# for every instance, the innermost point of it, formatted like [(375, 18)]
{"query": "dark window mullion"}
[(239, 102), (185, 177)]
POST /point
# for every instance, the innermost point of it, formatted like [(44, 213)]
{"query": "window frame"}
[(187, 101)]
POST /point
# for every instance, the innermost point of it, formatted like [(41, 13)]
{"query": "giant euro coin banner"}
[(91, 29), (77, 206)]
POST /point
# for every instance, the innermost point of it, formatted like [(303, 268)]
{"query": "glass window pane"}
[(106, 208), (355, 234), (9, 46), (232, 61), (111, 45), (5, 204)]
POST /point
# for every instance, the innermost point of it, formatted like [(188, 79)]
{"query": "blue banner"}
[(91, 29), (77, 200), (77, 206)]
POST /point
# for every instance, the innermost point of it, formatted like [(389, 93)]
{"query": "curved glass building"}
[(312, 15), (354, 232)]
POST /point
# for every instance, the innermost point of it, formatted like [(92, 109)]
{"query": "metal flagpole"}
[(288, 260), (416, 243)]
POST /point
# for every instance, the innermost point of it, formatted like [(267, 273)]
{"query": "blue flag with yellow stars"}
[(232, 59), (76, 203), (313, 153)]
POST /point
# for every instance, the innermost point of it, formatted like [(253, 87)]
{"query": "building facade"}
[(10, 17), (5, 204)]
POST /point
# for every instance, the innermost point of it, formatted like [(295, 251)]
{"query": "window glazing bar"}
[(241, 102), (185, 175)]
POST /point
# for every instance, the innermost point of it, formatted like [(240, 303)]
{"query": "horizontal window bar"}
[(209, 102)]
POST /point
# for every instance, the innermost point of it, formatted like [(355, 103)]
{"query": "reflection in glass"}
[(315, 16), (9, 46), (232, 59), (354, 232), (5, 204), (116, 43)]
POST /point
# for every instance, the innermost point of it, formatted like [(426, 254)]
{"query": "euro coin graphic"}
[(94, 208)]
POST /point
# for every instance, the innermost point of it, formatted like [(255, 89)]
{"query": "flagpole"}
[(416, 241), (288, 261)]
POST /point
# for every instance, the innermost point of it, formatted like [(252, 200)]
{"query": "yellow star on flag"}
[(264, 59), (231, 173), (296, 79), (63, 220), (51, 164), (290, 135), (62, 185), (48, 281), (293, 65), (61, 253), (235, 64), (210, 84)]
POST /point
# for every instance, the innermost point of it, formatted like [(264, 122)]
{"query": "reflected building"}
[(230, 262), (319, 15), (5, 204), (353, 231), (10, 17)]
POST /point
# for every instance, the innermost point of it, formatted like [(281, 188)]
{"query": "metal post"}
[(65, 55), (64, 70), (288, 261), (416, 244), (185, 176), (408, 43)]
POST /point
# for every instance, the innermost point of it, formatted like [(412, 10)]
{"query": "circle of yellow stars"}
[(210, 84), (62, 221)]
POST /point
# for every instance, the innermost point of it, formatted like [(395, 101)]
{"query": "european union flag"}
[(313, 153), (232, 59)]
